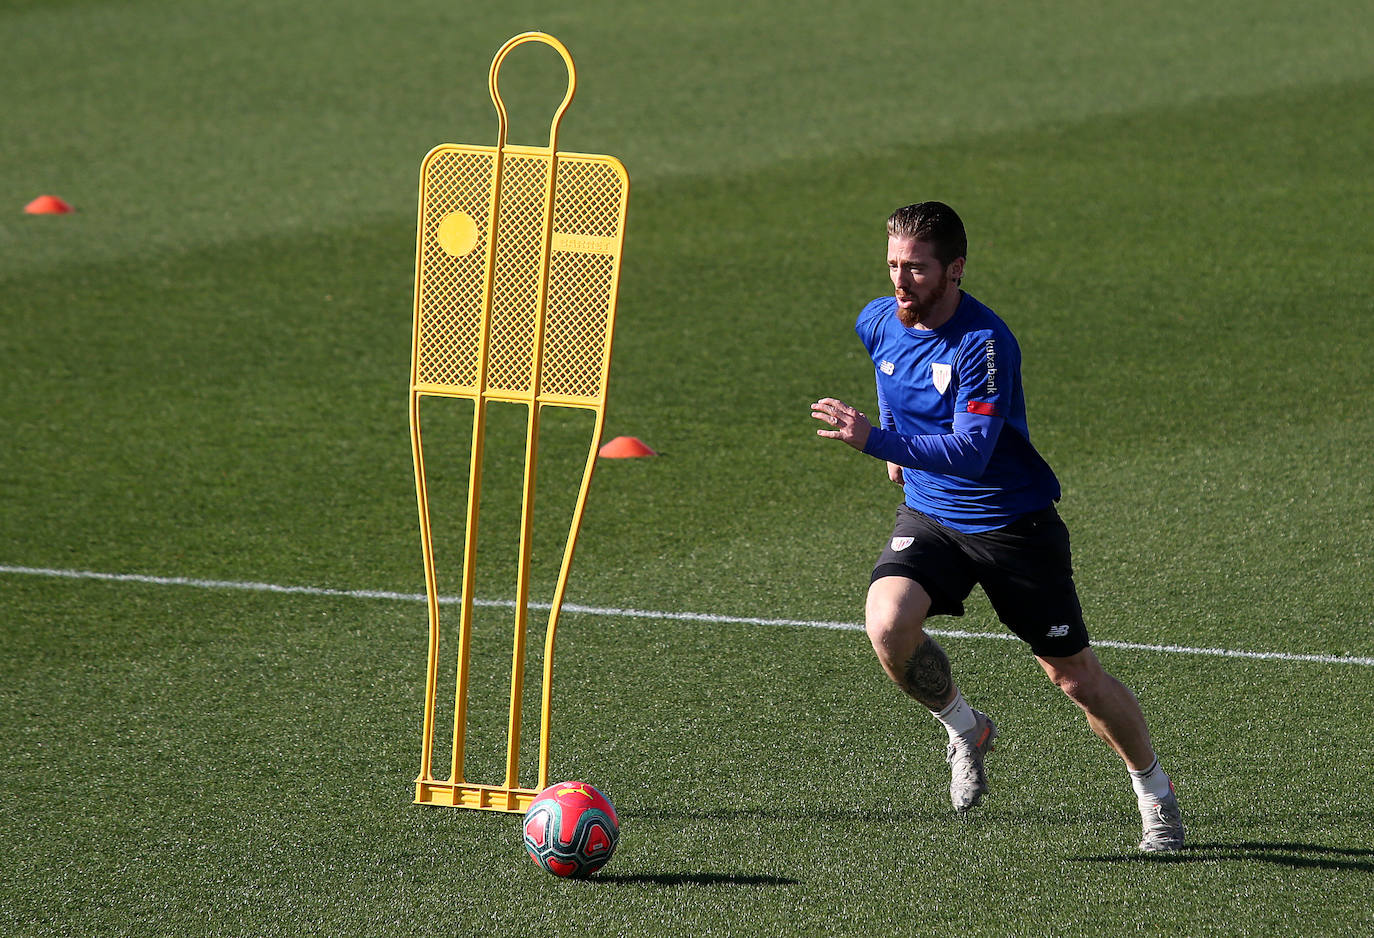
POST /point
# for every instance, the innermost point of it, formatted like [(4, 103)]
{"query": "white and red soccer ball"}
[(571, 829)]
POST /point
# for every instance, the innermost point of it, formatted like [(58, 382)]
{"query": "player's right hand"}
[(894, 472), (850, 425)]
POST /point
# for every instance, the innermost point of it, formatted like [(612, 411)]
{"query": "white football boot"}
[(968, 777)]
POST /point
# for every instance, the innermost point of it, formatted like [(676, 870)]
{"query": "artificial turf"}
[(204, 376)]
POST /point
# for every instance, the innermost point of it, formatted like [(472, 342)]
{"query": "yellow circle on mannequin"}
[(457, 234)]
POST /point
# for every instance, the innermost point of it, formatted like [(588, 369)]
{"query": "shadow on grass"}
[(1290, 854), (697, 879), (797, 813)]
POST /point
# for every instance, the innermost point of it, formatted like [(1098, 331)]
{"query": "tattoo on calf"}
[(928, 677)]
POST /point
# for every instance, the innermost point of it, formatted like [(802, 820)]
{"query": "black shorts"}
[(1025, 569)]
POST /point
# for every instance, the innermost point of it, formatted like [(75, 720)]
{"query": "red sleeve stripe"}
[(984, 408)]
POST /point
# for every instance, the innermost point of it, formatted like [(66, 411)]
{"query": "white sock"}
[(1151, 784), (958, 717)]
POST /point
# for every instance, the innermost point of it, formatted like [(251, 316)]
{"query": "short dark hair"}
[(934, 222)]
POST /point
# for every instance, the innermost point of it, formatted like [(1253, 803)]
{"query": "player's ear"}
[(956, 269)]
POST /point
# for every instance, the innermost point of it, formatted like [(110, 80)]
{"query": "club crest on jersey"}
[(886, 367), (940, 374), (902, 543)]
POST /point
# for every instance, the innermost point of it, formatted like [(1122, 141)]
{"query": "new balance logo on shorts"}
[(1057, 631)]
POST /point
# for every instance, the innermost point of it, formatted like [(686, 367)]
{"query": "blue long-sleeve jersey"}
[(953, 415)]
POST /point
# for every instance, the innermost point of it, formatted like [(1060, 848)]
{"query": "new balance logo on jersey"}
[(886, 367), (1058, 631)]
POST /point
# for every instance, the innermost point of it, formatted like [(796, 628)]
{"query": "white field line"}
[(639, 613)]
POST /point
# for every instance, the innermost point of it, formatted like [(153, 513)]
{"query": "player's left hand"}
[(844, 422)]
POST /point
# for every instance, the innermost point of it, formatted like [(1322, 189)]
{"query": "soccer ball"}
[(571, 829)]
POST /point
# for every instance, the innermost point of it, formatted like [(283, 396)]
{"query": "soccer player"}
[(979, 509)]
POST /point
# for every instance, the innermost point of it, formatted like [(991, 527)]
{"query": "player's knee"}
[(882, 634), (889, 629), (1084, 686), (894, 642), (895, 603), (1073, 687), (894, 618), (1079, 676)]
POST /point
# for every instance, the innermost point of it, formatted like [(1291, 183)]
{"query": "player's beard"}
[(912, 316)]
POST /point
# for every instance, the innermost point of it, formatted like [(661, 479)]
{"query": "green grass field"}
[(204, 377)]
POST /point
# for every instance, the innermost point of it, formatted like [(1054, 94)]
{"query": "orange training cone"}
[(625, 447), (47, 205)]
